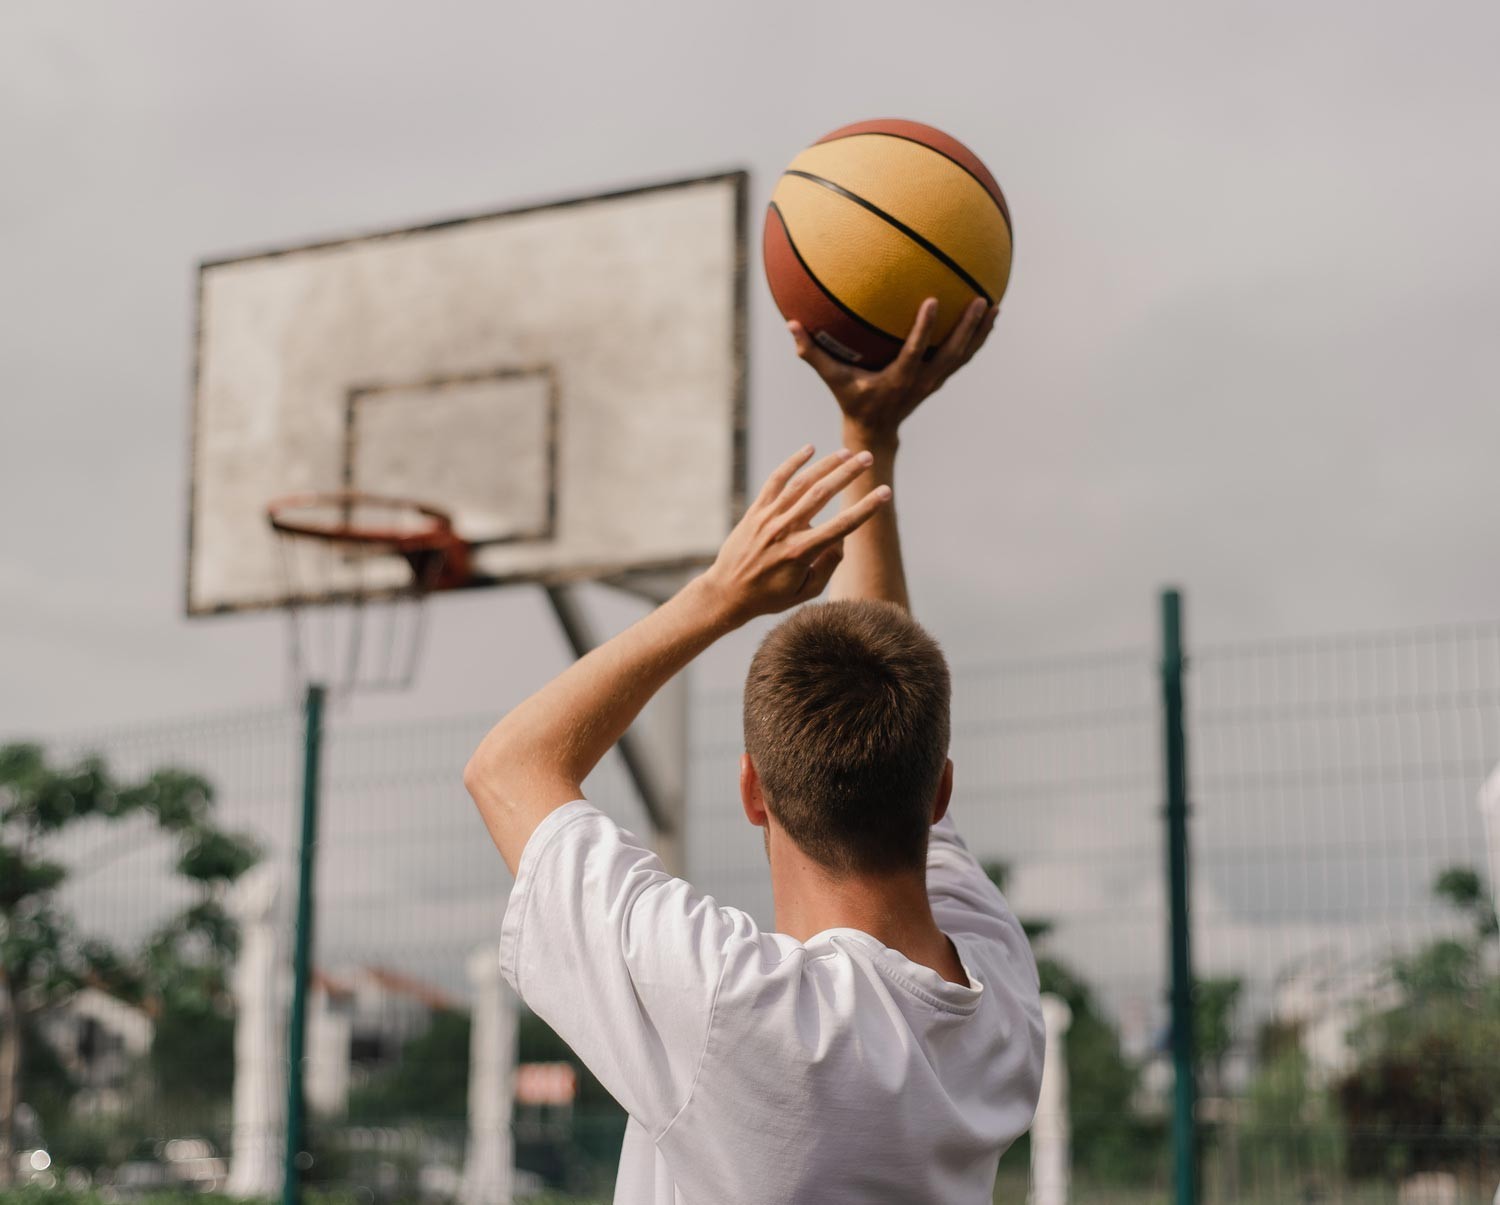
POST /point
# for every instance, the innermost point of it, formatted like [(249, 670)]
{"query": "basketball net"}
[(357, 570)]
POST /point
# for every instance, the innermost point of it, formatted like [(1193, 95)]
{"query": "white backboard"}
[(567, 380)]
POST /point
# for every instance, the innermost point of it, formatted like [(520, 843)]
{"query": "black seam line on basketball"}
[(936, 252), (822, 288), (968, 171)]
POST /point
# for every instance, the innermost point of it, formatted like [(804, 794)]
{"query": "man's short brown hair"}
[(846, 720)]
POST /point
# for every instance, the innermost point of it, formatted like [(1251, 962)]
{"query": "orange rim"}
[(435, 534), (438, 557)]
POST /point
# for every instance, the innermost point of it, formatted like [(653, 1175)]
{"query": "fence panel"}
[(408, 886), (1348, 1012), (1334, 781)]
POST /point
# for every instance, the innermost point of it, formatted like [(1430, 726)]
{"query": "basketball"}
[(871, 220)]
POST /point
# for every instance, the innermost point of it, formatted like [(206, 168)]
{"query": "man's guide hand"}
[(775, 558), (876, 403)]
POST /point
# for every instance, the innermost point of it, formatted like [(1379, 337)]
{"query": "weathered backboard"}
[(567, 380)]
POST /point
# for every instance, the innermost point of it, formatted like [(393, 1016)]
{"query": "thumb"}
[(829, 368), (820, 572)]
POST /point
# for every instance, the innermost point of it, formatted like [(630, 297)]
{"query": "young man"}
[(884, 1044)]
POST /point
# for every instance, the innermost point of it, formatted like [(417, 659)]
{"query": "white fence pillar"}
[(1051, 1133), (259, 1043), (490, 1158), (1489, 808)]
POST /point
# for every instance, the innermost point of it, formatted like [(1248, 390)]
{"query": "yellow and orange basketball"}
[(872, 219)]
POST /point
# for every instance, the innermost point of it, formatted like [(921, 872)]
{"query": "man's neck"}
[(884, 908), (893, 909)]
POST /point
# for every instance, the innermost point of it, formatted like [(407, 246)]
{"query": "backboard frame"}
[(617, 573)]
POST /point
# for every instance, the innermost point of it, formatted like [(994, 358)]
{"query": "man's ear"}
[(944, 793), (751, 796)]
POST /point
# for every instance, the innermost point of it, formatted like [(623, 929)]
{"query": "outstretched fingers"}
[(821, 483), (840, 525), (777, 481), (796, 490)]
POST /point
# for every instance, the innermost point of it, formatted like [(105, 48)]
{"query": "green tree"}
[(44, 956), (429, 1081), (1290, 1122), (1426, 1084), (1215, 1002), (1463, 890), (185, 968)]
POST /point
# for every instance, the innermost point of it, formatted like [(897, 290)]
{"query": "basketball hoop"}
[(345, 552)]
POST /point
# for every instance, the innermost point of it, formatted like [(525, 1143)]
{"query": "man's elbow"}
[(501, 769), (485, 772), (473, 777), (512, 769)]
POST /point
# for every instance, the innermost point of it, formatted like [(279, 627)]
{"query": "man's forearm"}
[(875, 403), (536, 758), (872, 566)]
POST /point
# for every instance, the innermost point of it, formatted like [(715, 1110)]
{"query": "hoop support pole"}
[(312, 748)]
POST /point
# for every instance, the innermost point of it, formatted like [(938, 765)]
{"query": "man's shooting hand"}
[(876, 403), (775, 558)]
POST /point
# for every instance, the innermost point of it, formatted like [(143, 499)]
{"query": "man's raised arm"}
[(874, 405)]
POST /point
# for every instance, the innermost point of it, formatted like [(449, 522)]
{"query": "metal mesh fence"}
[(1334, 782), (1348, 1014), (408, 887)]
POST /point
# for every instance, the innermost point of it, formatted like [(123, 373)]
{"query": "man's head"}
[(846, 725)]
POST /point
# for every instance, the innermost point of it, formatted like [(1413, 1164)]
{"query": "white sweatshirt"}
[(760, 1070)]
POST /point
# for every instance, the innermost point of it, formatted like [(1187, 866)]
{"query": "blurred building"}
[(330, 1024), (98, 1039), (359, 1019)]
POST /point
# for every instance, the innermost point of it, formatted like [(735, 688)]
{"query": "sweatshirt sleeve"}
[(619, 957)]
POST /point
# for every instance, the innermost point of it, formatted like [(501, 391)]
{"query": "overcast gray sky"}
[(1250, 343)]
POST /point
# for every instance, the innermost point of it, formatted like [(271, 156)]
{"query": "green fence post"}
[(312, 741), (1184, 1094)]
